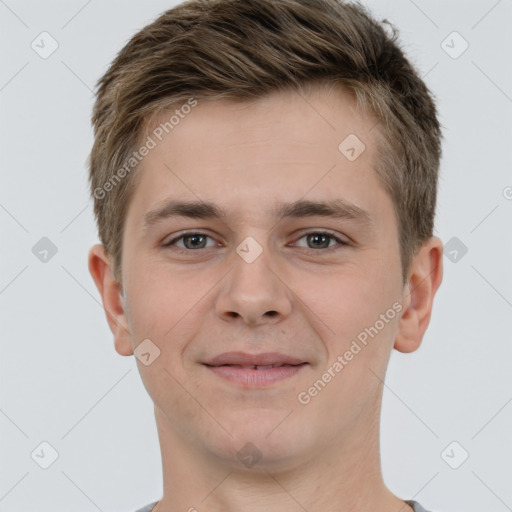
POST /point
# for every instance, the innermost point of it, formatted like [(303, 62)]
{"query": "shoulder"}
[(147, 508), (416, 506)]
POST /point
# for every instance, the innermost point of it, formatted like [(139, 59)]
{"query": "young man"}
[(264, 176)]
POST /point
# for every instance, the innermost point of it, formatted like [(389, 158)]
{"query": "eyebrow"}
[(337, 208)]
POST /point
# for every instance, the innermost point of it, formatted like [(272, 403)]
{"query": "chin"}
[(258, 457), (261, 441)]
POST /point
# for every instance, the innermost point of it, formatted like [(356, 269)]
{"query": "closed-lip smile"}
[(255, 370)]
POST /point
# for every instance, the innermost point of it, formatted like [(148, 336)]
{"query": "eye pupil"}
[(316, 237), (193, 237)]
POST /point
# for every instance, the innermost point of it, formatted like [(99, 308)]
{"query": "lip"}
[(254, 378), (236, 367), (246, 359)]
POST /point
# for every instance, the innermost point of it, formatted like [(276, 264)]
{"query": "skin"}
[(247, 157)]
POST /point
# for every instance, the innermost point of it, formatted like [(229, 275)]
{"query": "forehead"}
[(290, 115), (248, 154)]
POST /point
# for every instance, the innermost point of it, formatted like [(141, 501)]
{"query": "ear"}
[(111, 295), (425, 276)]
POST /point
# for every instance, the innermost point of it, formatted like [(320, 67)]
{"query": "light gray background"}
[(62, 381)]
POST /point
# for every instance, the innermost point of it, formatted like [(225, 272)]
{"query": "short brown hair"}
[(245, 49)]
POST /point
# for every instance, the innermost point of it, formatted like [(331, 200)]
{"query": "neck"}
[(343, 478)]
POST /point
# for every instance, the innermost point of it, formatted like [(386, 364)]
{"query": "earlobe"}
[(112, 298), (426, 274)]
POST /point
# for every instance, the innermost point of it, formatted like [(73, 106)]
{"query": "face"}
[(274, 272)]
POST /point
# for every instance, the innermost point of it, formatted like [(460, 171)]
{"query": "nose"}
[(254, 292)]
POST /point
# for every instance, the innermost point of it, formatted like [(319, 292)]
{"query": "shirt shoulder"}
[(147, 508), (416, 506)]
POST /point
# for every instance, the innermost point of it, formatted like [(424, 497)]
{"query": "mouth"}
[(255, 366), (244, 359), (256, 377)]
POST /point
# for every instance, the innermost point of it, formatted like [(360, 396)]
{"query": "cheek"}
[(346, 298), (158, 298), (170, 309), (356, 309), (365, 324)]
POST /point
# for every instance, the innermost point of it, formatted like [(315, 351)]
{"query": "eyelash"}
[(307, 249)]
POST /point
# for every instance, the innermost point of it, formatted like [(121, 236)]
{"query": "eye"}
[(315, 240), (191, 241), (321, 240)]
